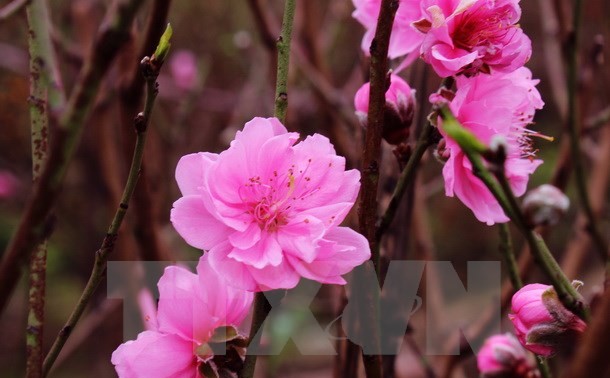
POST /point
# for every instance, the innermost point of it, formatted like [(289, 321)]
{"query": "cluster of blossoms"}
[(543, 326), (480, 43), (267, 211)]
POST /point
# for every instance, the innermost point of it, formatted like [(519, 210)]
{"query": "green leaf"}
[(164, 44), (224, 334)]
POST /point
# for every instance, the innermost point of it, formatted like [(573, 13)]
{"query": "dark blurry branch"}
[(150, 70), (145, 205), (597, 186), (598, 121), (45, 93), (552, 48), (12, 8), (261, 304), (591, 357), (406, 179), (34, 223), (574, 130)]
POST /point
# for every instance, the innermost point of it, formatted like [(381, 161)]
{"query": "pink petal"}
[(237, 273), (190, 171), (181, 309), (155, 354), (266, 251), (196, 224)]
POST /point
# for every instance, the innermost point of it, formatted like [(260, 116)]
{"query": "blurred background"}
[(220, 74)]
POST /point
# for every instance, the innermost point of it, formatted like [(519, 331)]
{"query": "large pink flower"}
[(491, 106), (268, 208), (404, 38), (468, 36), (191, 308)]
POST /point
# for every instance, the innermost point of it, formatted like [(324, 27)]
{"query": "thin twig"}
[(34, 222), (150, 68), (405, 180), (508, 254), (283, 61)]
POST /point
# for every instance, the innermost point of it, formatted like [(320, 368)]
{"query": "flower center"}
[(269, 203), (482, 26)]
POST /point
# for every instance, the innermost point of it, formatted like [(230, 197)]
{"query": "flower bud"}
[(545, 205), (541, 323), (503, 356), (8, 184), (398, 111)]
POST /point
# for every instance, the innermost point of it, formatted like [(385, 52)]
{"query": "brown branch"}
[(34, 224), (371, 159)]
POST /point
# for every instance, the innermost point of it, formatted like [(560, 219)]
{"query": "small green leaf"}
[(164, 44), (224, 334)]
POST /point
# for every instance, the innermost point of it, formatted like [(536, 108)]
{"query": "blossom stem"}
[(283, 61), (574, 130), (508, 254), (500, 188), (150, 69), (43, 86), (33, 225)]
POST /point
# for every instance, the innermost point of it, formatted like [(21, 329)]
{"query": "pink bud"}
[(503, 356), (541, 323), (399, 109), (183, 67)]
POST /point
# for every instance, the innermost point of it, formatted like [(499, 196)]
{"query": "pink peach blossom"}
[(191, 307), (471, 36), (492, 107), (503, 356), (268, 209), (541, 323), (404, 39)]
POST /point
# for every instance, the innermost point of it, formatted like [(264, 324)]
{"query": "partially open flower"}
[(503, 356), (545, 205), (542, 324), (399, 109)]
